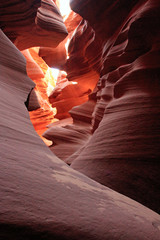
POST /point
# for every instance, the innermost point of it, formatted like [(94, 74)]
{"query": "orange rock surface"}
[(40, 73)]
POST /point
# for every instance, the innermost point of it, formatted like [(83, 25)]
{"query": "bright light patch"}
[(66, 47), (74, 82), (52, 79), (49, 89), (55, 73), (64, 7)]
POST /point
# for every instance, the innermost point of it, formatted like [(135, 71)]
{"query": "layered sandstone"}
[(29, 24), (41, 197), (124, 152), (71, 134), (57, 57), (83, 70), (40, 73), (32, 23)]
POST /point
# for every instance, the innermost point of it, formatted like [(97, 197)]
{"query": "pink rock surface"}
[(71, 134), (84, 52), (41, 197), (124, 152), (57, 57)]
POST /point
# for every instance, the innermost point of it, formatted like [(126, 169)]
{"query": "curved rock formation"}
[(41, 197), (57, 57), (71, 134), (66, 95), (38, 71), (124, 152), (54, 57), (82, 67), (84, 52), (32, 23)]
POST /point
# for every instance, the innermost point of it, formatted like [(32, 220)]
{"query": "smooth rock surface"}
[(41, 197), (124, 152), (32, 23), (39, 72)]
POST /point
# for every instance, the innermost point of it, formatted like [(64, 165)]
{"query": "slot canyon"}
[(79, 120)]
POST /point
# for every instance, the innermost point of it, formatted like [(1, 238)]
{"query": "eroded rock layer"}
[(57, 57), (124, 152), (83, 70), (71, 134), (32, 23), (40, 73), (41, 197)]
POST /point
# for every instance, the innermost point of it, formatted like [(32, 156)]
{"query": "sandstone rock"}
[(72, 21), (32, 23), (124, 152), (32, 102), (71, 134), (41, 197), (83, 60), (54, 57), (67, 139), (66, 95), (37, 70), (57, 57)]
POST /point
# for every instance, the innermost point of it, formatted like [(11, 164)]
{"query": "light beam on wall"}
[(64, 8)]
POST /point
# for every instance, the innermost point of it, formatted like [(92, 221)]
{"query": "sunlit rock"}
[(82, 67), (39, 72)]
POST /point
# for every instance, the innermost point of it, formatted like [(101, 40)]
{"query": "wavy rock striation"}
[(124, 152), (39, 72), (82, 67), (41, 197), (57, 57), (71, 134), (32, 23)]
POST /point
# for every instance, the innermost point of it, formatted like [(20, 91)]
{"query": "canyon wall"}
[(111, 141), (40, 196), (124, 152)]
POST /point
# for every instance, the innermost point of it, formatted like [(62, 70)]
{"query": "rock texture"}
[(32, 23), (124, 152), (84, 52), (71, 134), (57, 57), (39, 72), (41, 197), (66, 95), (54, 57), (83, 70)]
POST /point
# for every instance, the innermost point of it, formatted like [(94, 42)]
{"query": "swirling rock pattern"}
[(66, 95), (57, 57), (32, 23), (71, 134), (124, 152), (41, 197), (83, 60), (82, 67)]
